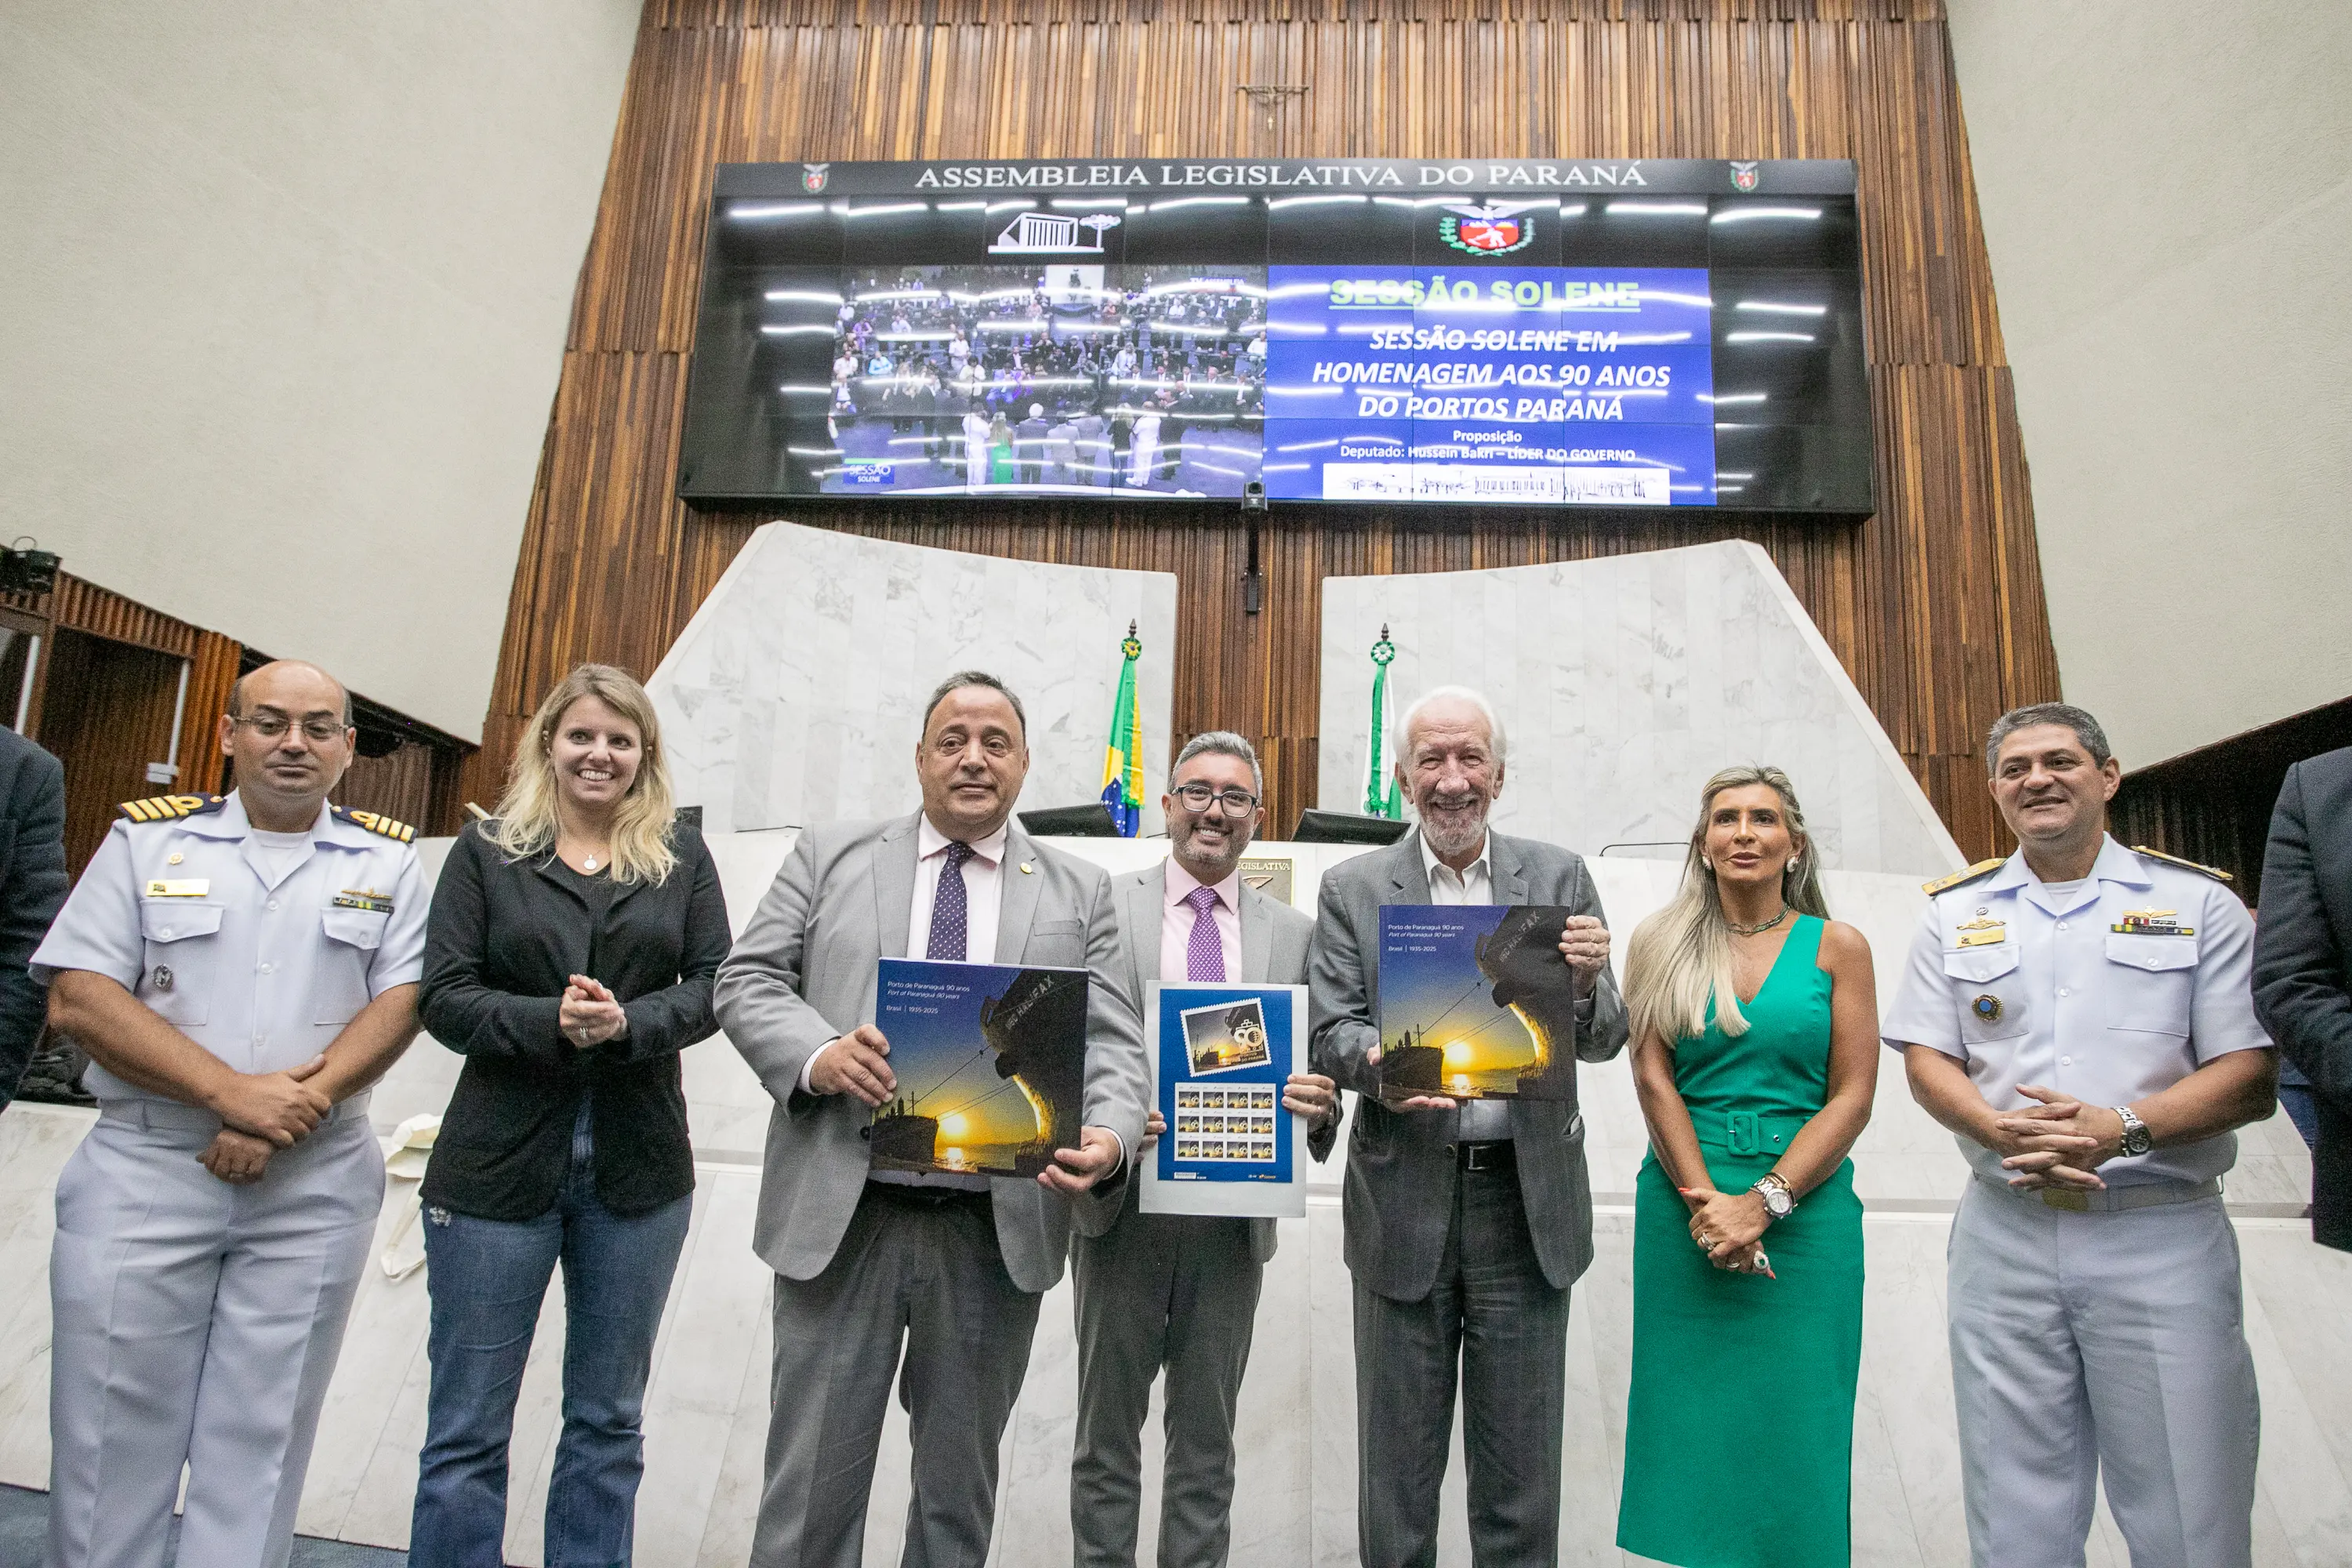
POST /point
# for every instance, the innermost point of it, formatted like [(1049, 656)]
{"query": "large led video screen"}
[(1632, 334)]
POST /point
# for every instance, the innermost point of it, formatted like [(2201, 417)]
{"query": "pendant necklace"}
[(590, 864), (1758, 929)]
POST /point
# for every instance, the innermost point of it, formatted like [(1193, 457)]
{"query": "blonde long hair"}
[(1680, 958), (526, 820)]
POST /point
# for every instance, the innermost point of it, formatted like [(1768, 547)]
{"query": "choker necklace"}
[(1758, 929)]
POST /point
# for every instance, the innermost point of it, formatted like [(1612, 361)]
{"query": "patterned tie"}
[(1204, 951), (950, 909)]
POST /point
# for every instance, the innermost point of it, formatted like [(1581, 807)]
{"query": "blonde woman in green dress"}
[(1755, 1027)]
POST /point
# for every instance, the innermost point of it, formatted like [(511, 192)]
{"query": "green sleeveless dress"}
[(1739, 1429)]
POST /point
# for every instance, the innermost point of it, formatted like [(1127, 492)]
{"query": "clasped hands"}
[(1584, 943), (262, 1112), (1729, 1228), (590, 1014), (857, 1065), (2060, 1143)]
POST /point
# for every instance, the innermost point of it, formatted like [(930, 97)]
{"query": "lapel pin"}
[(175, 859), (1026, 868)]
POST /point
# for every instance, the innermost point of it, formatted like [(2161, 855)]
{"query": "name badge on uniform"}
[(184, 887), (2152, 923), (364, 899)]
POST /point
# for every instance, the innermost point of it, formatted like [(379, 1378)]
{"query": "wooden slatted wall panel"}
[(117, 720), (202, 769), (399, 785), (1935, 605)]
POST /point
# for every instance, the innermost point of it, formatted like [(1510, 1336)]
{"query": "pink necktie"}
[(1205, 951)]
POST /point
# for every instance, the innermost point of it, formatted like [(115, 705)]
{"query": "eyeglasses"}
[(1197, 796), (273, 727)]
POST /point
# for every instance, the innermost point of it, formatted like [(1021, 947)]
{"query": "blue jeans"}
[(487, 1278)]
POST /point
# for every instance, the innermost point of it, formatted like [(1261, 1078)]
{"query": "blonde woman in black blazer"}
[(569, 959)]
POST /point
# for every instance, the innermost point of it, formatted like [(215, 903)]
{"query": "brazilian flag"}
[(1123, 758)]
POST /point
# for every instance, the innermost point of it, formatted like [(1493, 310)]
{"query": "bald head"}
[(288, 735), (308, 679)]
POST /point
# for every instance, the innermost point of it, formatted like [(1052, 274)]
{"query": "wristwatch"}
[(1780, 1203), (2137, 1138)]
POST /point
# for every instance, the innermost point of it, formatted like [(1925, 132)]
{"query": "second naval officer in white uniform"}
[(240, 970), (2080, 1015)]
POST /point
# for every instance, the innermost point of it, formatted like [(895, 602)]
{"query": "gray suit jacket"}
[(1401, 1165), (1273, 952), (804, 973)]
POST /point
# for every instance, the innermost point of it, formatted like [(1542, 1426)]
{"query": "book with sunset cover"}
[(1476, 1002), (991, 1060)]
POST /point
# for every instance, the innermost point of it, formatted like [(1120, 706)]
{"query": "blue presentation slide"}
[(1567, 385)]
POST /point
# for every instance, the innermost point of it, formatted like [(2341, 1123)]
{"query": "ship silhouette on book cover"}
[(1476, 1002), (991, 1063)]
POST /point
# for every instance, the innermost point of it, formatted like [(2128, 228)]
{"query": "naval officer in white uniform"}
[(2080, 1015), (240, 970)]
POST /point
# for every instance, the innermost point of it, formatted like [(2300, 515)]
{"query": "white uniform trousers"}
[(197, 1321), (2091, 1342)]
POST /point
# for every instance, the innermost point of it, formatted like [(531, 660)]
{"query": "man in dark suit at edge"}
[(1466, 1225), (2302, 967), (32, 883)]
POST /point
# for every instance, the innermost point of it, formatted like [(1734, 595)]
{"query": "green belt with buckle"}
[(1747, 1132)]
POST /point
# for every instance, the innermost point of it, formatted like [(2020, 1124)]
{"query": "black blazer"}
[(2303, 966), (502, 942), (32, 887)]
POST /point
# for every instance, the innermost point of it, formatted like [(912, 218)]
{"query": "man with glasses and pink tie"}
[(1180, 1291)]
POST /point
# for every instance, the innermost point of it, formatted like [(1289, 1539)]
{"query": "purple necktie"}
[(950, 909), (1204, 951)]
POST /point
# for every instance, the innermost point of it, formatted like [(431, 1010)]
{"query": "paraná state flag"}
[(1382, 797)]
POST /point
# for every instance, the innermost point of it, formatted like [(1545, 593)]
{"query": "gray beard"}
[(1447, 840)]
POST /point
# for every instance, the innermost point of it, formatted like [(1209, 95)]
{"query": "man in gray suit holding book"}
[(1180, 1291), (1465, 1224), (948, 1267)]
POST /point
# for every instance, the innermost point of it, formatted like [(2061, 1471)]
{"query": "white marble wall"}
[(706, 1405), (795, 694), (1622, 683)]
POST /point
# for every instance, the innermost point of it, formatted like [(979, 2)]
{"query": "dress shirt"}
[(1473, 884), (983, 884), (1176, 922), (2025, 982), (1482, 1120)]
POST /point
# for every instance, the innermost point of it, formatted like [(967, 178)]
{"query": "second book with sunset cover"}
[(1476, 1002), (991, 1060)]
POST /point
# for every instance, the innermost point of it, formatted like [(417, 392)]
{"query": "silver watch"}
[(2137, 1138), (1780, 1203)]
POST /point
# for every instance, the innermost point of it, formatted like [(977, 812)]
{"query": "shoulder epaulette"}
[(1960, 878), (374, 824), (2215, 872), (170, 807)]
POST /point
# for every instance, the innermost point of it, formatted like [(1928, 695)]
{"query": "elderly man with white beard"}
[(1465, 1224)]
